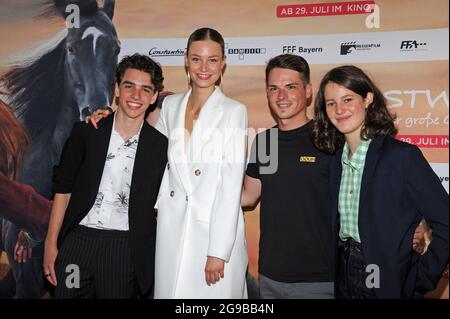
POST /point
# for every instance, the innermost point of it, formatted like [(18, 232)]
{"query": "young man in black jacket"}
[(101, 237)]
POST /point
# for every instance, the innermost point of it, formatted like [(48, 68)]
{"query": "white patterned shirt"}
[(110, 209)]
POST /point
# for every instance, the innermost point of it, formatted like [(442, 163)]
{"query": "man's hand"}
[(96, 116), (214, 270), (422, 237), (21, 250)]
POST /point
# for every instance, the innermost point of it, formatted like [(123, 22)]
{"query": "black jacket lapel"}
[(101, 143), (143, 160), (373, 154), (372, 157), (335, 180)]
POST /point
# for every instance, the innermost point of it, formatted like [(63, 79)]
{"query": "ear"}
[(116, 90), (87, 7), (224, 62), (368, 100), (308, 90), (154, 98), (58, 6), (108, 8), (186, 63), (65, 7)]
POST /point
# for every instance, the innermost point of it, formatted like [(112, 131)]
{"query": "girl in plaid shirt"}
[(380, 189)]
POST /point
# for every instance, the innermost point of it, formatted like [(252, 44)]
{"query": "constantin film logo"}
[(242, 52), (350, 47), (157, 52), (413, 45)]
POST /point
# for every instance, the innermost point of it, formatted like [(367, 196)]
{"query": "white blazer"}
[(199, 211)]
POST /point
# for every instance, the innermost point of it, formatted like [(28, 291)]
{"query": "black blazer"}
[(80, 171), (398, 188)]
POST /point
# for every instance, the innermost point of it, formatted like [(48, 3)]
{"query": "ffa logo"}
[(308, 159)]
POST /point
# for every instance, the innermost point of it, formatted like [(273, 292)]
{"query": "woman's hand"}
[(96, 116), (214, 270), (50, 253)]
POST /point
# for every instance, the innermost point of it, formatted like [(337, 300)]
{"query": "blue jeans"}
[(351, 279), (29, 275)]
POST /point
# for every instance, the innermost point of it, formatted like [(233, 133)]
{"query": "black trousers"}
[(351, 280), (93, 263)]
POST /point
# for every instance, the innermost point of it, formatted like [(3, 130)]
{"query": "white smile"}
[(203, 76), (134, 105), (283, 105)]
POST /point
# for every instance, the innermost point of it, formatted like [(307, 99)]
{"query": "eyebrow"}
[(211, 56), (293, 83), (342, 97), (134, 84)]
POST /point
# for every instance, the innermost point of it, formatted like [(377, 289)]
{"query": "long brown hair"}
[(14, 142), (378, 122)]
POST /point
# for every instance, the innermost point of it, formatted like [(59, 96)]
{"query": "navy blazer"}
[(80, 172), (398, 188)]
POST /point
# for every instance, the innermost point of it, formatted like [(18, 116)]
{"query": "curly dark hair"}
[(142, 63), (378, 121)]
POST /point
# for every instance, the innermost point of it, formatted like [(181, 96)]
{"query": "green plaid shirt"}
[(352, 172)]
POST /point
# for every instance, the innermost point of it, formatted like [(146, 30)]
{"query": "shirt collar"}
[(131, 139), (357, 160)]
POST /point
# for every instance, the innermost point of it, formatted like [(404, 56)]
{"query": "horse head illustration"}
[(69, 79)]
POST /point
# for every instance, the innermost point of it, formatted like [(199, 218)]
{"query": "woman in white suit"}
[(200, 247)]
